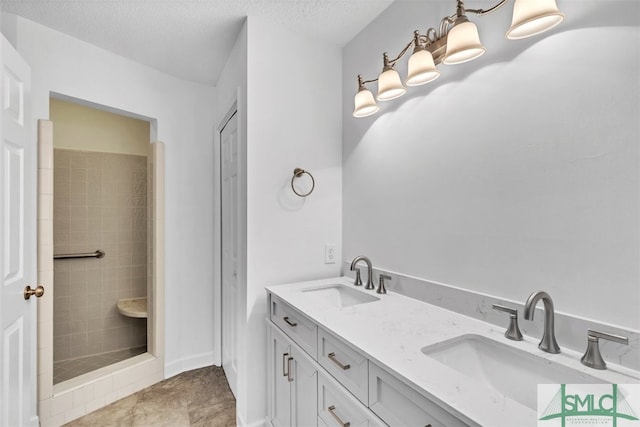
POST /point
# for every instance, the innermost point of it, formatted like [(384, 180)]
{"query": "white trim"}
[(189, 363), (217, 263), (56, 405), (259, 423)]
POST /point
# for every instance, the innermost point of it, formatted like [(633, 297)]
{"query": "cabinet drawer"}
[(298, 327), (399, 405), (345, 363), (338, 408)]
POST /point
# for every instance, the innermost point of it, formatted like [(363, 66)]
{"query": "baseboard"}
[(259, 423), (188, 363)]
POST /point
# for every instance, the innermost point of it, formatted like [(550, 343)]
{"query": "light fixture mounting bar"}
[(392, 62), (438, 48), (445, 23), (362, 81), (487, 11)]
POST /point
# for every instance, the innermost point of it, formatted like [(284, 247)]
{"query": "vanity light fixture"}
[(365, 103), (422, 69), (389, 84), (456, 41)]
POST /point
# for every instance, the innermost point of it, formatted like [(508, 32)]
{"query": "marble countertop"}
[(393, 330)]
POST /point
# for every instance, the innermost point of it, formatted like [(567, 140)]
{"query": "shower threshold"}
[(71, 368)]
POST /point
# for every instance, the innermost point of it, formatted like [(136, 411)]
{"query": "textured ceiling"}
[(191, 39)]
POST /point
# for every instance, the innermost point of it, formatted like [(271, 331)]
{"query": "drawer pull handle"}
[(289, 322), (285, 373), (332, 357), (331, 410), (289, 377)]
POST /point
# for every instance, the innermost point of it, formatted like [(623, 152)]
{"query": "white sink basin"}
[(512, 372), (338, 295)]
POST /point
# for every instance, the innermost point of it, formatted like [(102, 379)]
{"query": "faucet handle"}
[(512, 332), (381, 289), (592, 357), (358, 281)]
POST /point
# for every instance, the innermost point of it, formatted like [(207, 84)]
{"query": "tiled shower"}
[(100, 203)]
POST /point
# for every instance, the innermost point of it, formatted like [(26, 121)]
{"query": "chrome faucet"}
[(369, 267), (381, 288), (548, 342), (358, 281), (512, 332), (592, 357)]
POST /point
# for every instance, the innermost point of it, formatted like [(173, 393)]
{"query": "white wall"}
[(511, 173), (290, 121), (183, 114), (83, 128)]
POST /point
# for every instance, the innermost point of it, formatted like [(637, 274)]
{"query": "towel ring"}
[(297, 173)]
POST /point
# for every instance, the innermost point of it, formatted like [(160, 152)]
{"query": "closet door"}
[(230, 217)]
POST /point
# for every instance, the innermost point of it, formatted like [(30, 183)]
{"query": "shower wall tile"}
[(110, 340), (61, 349), (100, 202), (79, 175), (78, 158), (95, 325)]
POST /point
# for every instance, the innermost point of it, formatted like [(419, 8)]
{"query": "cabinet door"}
[(281, 359), (304, 391)]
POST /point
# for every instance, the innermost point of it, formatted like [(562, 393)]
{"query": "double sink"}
[(511, 372)]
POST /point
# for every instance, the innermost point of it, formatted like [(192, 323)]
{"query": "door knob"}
[(38, 291)]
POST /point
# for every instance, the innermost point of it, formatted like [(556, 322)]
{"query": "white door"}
[(230, 245), (18, 202)]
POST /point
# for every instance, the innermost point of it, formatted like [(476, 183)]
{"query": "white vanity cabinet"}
[(294, 383), (318, 379)]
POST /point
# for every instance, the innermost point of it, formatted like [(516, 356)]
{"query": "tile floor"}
[(67, 369), (198, 398)]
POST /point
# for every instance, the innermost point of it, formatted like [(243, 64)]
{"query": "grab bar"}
[(97, 254)]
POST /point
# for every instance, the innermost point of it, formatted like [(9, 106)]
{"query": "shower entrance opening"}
[(102, 237)]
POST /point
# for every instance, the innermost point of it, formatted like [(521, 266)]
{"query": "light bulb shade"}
[(389, 85), (463, 43), (531, 17), (422, 69), (365, 105)]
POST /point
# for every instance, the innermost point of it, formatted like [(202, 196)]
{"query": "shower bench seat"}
[(134, 307)]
